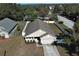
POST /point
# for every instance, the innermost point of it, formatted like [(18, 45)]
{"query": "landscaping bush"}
[(60, 22)]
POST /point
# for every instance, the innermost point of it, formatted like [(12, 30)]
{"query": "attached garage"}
[(48, 39)]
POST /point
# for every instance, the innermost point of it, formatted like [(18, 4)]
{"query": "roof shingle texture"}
[(8, 24), (36, 25)]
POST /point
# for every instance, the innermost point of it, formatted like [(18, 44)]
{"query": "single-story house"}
[(66, 21), (39, 30), (6, 27)]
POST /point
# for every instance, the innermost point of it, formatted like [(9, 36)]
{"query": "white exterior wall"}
[(66, 21), (48, 39), (37, 33), (5, 34), (50, 22), (23, 32)]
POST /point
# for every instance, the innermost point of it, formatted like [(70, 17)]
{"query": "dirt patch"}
[(3, 40), (17, 47)]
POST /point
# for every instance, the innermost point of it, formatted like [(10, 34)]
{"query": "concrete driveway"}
[(50, 50)]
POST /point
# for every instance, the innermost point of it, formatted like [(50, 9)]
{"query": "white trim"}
[(50, 22), (37, 33), (23, 32)]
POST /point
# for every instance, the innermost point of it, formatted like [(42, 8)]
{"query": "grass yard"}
[(55, 29), (21, 25), (63, 26), (17, 47), (62, 51)]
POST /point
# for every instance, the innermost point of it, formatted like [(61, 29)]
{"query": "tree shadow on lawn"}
[(71, 49)]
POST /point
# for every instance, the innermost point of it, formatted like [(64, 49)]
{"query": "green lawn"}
[(55, 29), (62, 51), (64, 27), (21, 26)]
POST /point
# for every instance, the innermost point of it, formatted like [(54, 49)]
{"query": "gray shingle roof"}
[(8, 24), (38, 24)]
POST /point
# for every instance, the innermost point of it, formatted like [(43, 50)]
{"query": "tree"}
[(76, 30), (58, 9), (43, 11), (31, 12), (76, 35), (11, 10), (76, 26)]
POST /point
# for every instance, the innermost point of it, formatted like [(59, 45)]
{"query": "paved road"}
[(50, 50)]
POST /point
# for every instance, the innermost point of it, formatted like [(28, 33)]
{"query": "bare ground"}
[(17, 47)]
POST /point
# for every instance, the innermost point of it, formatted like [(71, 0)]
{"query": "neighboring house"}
[(41, 31), (44, 18), (66, 21), (6, 27)]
